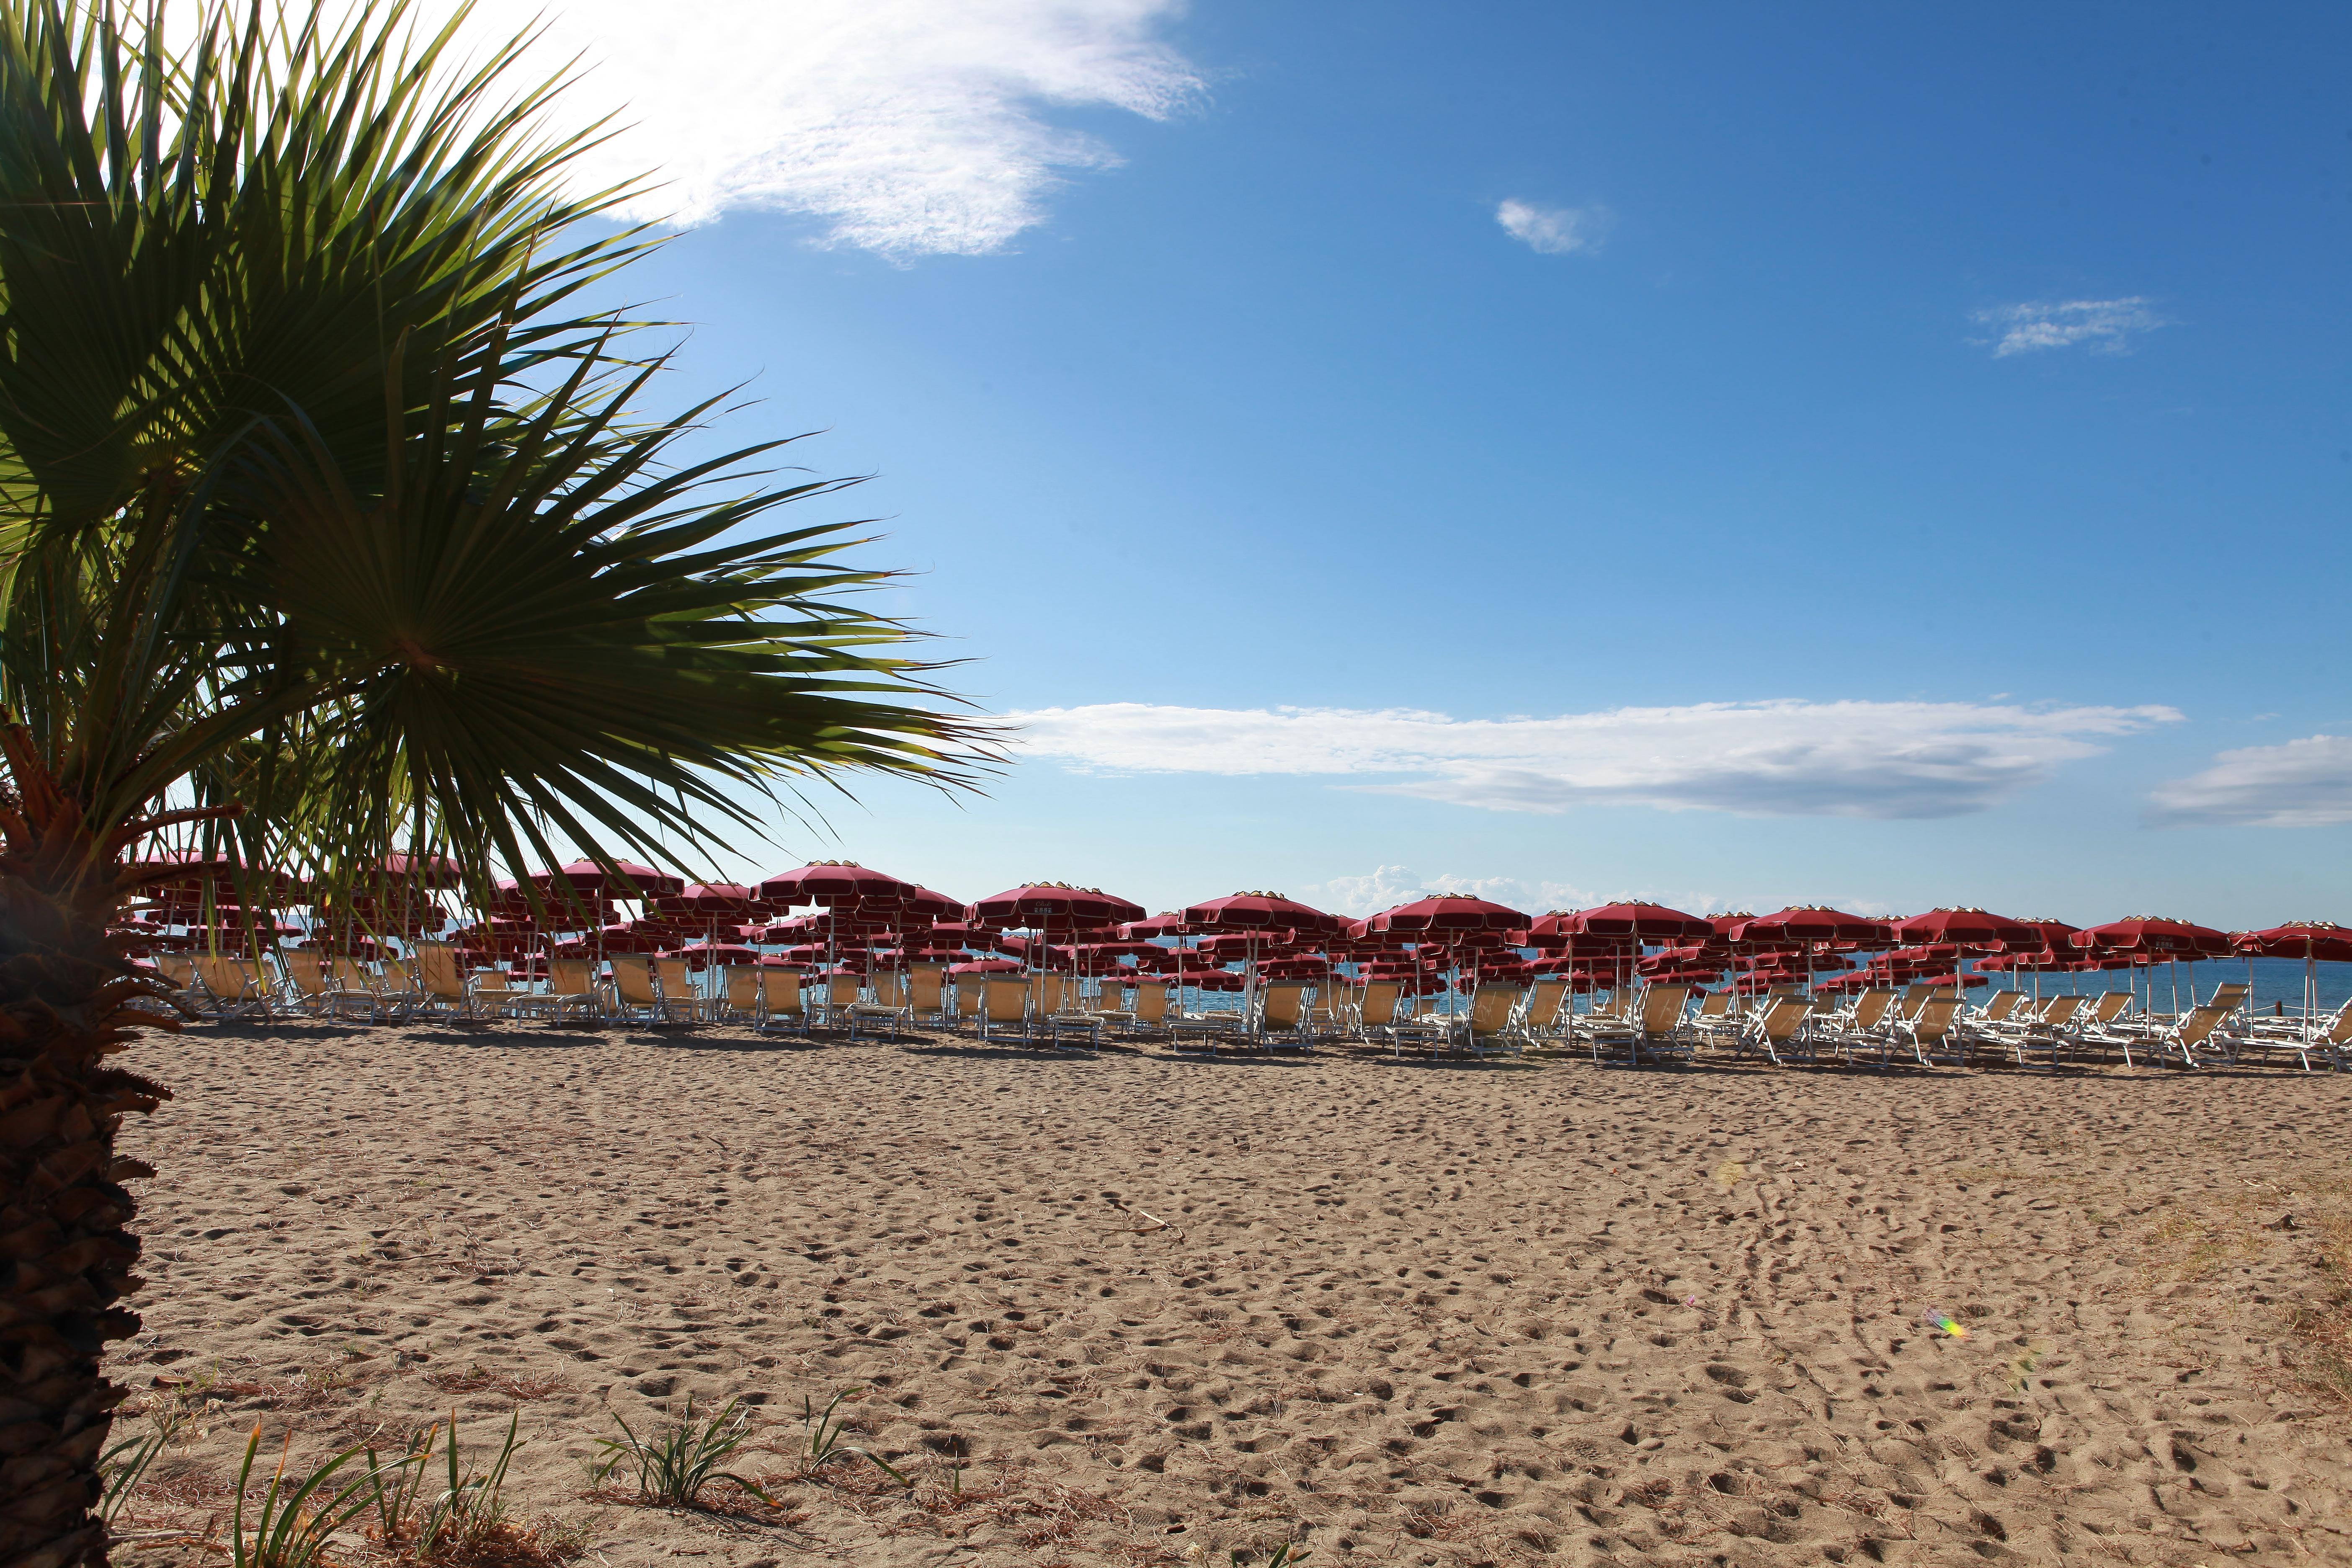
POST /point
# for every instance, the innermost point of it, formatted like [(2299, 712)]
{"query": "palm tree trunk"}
[(65, 1255)]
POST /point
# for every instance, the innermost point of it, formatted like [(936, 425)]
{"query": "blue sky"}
[(1830, 454)]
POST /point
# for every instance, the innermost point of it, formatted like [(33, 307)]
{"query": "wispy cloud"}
[(1554, 231), (2107, 325), (2300, 783), (908, 127), (1885, 760)]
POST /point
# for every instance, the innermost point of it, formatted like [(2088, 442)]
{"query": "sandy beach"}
[(1136, 1310)]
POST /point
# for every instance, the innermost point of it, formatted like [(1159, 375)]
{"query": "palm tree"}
[(330, 524)]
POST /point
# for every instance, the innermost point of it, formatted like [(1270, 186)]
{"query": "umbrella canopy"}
[(1260, 912), (626, 938), (925, 904), (838, 884), (962, 933), (723, 899), (1972, 927), (1168, 922), (623, 879), (416, 871), (1813, 923), (833, 924), (1635, 921), (1053, 906), (2322, 940), (1266, 944), (2155, 936), (1441, 916), (985, 966)]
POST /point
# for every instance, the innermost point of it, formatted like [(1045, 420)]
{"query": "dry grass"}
[(2325, 1329), (500, 1543), (474, 1380)]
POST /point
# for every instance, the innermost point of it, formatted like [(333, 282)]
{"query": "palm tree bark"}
[(66, 1253)]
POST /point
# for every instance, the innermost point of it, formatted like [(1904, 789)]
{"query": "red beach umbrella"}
[(1168, 922), (1260, 912), (834, 884), (625, 880), (2156, 936), (962, 933), (1440, 916), (1813, 923), (1971, 927), (925, 904), (416, 871), (1053, 907), (627, 937), (2319, 940), (722, 900), (1633, 919)]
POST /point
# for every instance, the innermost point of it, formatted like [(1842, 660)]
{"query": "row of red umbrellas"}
[(855, 901)]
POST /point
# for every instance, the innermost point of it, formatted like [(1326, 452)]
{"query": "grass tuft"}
[(299, 1514), (676, 1461)]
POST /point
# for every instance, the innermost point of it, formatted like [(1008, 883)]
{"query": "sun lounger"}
[(1998, 1006), (572, 992), (2059, 1021), (638, 995), (1376, 1007), (1492, 1019), (1717, 1020), (446, 986), (927, 996), (1542, 1012), (2334, 1042), (179, 972), (1279, 1016), (841, 993), (232, 988), (886, 1011), (379, 996), (675, 980), (1658, 1026), (1004, 1014), (1206, 1030), (781, 1008), (1612, 1019), (1870, 1023), (1934, 1031), (309, 985), (1774, 1029), (1149, 1015)]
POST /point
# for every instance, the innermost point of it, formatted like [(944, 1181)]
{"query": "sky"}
[(1730, 455)]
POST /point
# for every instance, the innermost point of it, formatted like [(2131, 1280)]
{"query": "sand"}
[(1137, 1308)]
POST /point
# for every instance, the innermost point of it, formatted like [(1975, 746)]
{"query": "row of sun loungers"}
[(1922, 1027)]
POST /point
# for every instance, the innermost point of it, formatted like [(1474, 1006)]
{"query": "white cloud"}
[(2302, 783), (1885, 760), (1554, 231), (905, 126), (2105, 324)]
